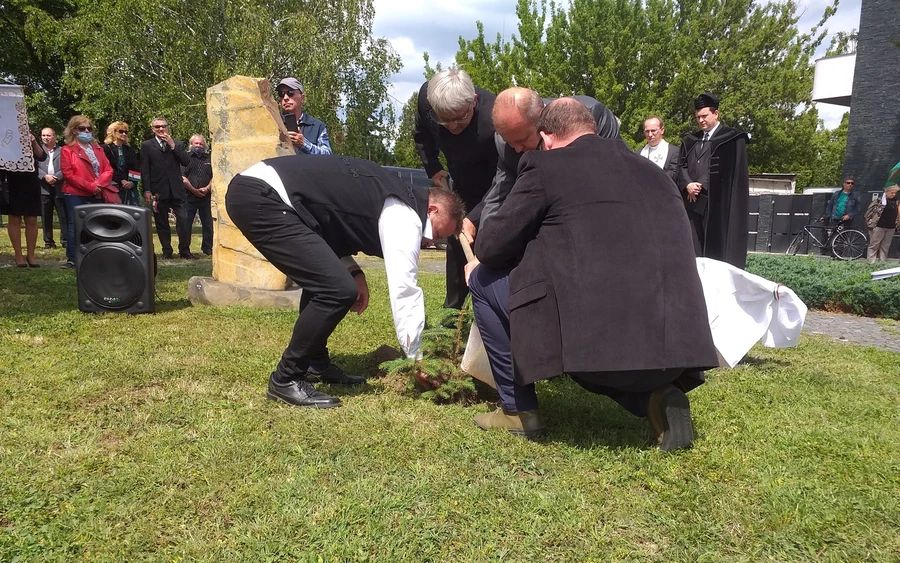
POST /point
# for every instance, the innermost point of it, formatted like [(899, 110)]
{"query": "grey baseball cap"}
[(291, 83)]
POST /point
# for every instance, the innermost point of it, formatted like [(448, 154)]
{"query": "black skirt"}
[(24, 194)]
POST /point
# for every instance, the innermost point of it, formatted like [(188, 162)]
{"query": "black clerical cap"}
[(706, 100)]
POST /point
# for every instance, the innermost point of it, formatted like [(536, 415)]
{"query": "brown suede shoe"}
[(669, 413), (525, 423)]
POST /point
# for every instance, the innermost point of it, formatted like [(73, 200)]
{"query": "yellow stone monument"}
[(245, 127)]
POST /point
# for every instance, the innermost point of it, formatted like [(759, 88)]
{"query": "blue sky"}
[(434, 27)]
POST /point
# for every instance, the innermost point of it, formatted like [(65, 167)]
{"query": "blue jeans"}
[(202, 207), (73, 201)]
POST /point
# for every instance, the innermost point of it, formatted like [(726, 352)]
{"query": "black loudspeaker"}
[(114, 259)]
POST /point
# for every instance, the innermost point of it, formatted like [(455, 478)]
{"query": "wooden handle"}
[(466, 246)]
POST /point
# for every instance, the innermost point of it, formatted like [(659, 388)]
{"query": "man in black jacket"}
[(308, 216), (454, 117), (715, 183), (587, 269), (161, 160)]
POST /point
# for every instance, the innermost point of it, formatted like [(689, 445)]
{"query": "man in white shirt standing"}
[(308, 216), (657, 149)]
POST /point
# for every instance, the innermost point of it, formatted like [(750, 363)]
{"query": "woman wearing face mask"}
[(123, 159), (86, 174)]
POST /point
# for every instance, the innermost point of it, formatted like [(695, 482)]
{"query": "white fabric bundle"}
[(15, 138)]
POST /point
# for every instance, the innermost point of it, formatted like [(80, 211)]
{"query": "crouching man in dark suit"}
[(588, 266), (308, 216)]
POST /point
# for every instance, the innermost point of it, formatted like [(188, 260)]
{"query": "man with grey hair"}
[(197, 179), (161, 160), (454, 117)]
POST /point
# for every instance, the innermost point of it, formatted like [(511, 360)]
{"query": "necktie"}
[(703, 141)]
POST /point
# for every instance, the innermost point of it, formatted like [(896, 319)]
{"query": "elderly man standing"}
[(843, 205), (658, 150), (161, 160), (51, 179), (454, 117), (197, 179), (716, 196), (308, 134), (616, 302)]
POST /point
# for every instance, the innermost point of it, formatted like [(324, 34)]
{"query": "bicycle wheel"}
[(849, 244), (796, 244)]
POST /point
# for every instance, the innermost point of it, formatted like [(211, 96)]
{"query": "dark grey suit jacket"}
[(43, 166), (605, 277), (161, 169)]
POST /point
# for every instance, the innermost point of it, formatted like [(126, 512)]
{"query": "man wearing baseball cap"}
[(308, 134)]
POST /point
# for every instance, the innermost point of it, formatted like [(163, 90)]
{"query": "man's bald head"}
[(563, 121), (515, 115)]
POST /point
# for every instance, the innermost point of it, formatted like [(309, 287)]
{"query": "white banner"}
[(15, 138)]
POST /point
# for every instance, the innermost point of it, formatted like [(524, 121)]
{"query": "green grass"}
[(148, 438)]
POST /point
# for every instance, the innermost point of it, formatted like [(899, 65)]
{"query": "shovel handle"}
[(466, 244)]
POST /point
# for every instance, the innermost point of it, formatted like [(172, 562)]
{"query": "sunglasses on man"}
[(288, 93)]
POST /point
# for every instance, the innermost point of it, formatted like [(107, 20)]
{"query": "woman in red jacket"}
[(86, 173)]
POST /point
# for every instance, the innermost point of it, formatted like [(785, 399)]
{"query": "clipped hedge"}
[(832, 285)]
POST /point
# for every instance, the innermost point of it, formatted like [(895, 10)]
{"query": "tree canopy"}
[(653, 57), (139, 59)]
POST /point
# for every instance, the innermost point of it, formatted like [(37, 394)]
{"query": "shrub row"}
[(832, 285)]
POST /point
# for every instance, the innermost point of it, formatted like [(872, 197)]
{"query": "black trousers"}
[(48, 204), (457, 290), (182, 227), (329, 290)]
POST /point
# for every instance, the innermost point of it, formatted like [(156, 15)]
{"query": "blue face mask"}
[(85, 137), (197, 150)]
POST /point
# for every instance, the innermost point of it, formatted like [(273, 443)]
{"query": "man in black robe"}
[(454, 117), (587, 269), (715, 184)]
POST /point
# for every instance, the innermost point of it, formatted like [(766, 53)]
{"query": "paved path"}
[(880, 333)]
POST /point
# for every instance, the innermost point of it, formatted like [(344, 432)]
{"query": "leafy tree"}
[(405, 149), (830, 146), (643, 57), (143, 58)]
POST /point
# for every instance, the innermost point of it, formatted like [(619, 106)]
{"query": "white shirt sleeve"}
[(400, 231)]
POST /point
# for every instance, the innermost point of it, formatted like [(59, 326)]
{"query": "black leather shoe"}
[(334, 375), (187, 256), (166, 255), (300, 394), (50, 245)]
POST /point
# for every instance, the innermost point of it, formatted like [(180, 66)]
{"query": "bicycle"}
[(844, 243)]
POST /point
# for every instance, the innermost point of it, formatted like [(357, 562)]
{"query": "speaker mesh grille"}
[(112, 276)]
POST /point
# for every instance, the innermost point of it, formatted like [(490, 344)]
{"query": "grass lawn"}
[(148, 438)]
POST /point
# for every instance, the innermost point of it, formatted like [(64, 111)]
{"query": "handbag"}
[(873, 213)]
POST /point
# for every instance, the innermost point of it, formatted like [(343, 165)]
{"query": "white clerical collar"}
[(426, 229)]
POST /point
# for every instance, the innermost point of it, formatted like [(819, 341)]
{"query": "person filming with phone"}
[(308, 134)]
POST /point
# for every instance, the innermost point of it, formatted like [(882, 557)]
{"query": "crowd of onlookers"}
[(82, 170)]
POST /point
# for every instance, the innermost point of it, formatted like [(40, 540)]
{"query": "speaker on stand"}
[(114, 259)]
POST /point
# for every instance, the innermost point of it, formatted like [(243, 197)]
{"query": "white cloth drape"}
[(15, 139), (745, 309)]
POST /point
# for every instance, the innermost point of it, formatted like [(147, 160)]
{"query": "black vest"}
[(341, 198)]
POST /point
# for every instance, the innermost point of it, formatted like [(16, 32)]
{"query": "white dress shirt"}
[(658, 154), (400, 231)]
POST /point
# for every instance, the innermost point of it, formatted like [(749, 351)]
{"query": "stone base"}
[(208, 291)]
